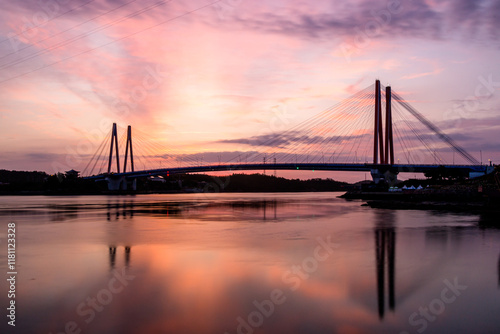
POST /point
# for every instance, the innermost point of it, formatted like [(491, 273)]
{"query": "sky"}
[(206, 81)]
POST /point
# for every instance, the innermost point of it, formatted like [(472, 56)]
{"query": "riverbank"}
[(458, 198), (63, 185)]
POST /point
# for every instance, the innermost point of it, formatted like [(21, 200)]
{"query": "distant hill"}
[(14, 176), (268, 183), (237, 183), (22, 182)]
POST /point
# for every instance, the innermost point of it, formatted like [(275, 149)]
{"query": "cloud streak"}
[(287, 139), (417, 19)]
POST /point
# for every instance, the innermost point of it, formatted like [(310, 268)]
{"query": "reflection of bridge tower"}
[(120, 182), (127, 209), (385, 243), (274, 204), (120, 229), (127, 256), (112, 256)]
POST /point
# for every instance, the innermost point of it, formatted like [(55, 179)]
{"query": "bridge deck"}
[(400, 168)]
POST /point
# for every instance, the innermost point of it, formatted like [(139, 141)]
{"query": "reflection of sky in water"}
[(200, 263)]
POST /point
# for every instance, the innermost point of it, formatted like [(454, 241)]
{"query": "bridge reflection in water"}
[(384, 237), (112, 256), (215, 255), (382, 275), (385, 249)]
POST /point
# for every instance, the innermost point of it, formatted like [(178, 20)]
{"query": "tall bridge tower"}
[(117, 182), (383, 146)]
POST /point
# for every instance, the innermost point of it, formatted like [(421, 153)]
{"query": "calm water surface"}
[(247, 263)]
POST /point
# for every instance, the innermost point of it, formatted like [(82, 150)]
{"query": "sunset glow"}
[(199, 76)]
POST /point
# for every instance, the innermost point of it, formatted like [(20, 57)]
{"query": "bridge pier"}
[(387, 175), (121, 183), (116, 183), (391, 177), (376, 175)]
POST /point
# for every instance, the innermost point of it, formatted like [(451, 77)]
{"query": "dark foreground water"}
[(246, 263)]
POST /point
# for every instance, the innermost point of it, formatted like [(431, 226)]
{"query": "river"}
[(246, 263)]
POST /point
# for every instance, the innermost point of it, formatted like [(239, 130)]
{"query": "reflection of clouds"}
[(216, 288), (199, 276)]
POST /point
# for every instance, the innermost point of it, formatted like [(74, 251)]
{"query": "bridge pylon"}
[(378, 135), (114, 141), (129, 144), (389, 140), (119, 182), (383, 146)]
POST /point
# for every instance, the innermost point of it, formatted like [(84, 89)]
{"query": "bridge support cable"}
[(141, 159), (335, 133), (437, 131), (318, 126), (404, 146), (151, 154), (101, 158), (411, 128), (326, 134), (353, 127), (365, 125), (296, 133), (147, 152), (155, 150), (356, 133), (332, 133), (97, 153), (330, 128)]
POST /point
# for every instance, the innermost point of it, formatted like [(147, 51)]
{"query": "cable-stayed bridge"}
[(374, 130)]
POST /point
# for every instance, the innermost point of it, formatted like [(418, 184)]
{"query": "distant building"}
[(72, 174), (157, 179)]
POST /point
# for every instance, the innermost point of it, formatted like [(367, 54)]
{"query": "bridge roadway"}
[(466, 170)]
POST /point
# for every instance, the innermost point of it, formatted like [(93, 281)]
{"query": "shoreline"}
[(457, 201)]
